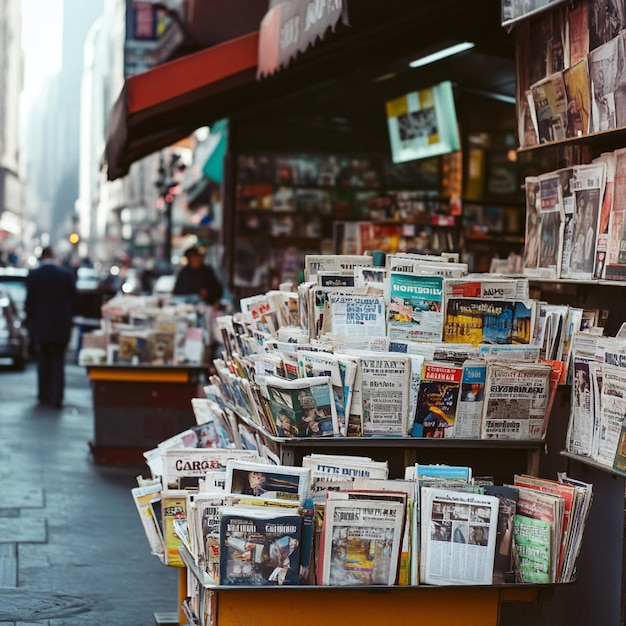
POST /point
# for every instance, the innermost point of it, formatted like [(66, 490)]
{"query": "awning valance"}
[(158, 107)]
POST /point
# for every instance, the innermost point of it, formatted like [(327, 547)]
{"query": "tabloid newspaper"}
[(415, 310), (204, 529), (305, 406), (458, 537), (384, 386), (259, 546), (516, 400), (339, 467), (182, 469), (356, 314), (568, 494), (361, 541), (612, 411), (583, 419), (314, 263), (587, 186), (538, 558), (470, 403)]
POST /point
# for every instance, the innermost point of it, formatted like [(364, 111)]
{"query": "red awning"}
[(161, 106)]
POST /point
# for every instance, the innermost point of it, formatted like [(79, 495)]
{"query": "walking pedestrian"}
[(50, 305)]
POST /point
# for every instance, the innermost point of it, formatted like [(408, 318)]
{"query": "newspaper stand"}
[(138, 406), (476, 605)]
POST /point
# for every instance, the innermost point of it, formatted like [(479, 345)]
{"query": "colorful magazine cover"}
[(437, 399), (259, 546), (415, 310)]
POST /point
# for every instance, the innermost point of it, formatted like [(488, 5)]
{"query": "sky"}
[(41, 42)]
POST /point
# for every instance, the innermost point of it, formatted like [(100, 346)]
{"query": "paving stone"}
[(23, 529), (21, 497), (8, 565)]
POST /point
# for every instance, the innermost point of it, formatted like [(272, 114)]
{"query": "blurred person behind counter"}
[(197, 278)]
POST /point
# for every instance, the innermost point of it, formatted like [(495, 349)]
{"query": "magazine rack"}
[(138, 406), (367, 606)]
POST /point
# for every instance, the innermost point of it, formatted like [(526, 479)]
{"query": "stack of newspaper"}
[(417, 348), (340, 520), (597, 429)]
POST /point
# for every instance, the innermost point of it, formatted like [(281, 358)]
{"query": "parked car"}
[(13, 279), (13, 334)]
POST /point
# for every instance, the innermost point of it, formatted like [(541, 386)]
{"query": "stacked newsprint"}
[(597, 429), (235, 518), (143, 330), (417, 348), (574, 221)]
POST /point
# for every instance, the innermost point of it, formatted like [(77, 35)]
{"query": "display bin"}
[(136, 407), (452, 605)]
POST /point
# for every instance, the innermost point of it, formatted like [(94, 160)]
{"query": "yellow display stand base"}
[(462, 606)]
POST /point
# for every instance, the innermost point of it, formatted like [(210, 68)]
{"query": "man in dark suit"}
[(50, 304)]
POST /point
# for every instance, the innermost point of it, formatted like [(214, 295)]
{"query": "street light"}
[(166, 184)]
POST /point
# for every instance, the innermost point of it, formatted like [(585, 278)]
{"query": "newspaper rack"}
[(476, 605), (512, 452)]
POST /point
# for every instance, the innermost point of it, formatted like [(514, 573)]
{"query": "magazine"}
[(361, 541), (147, 498), (304, 407), (173, 506), (576, 79), (602, 239), (616, 244), (496, 308), (458, 537), (551, 225), (437, 398), (550, 102), (317, 363), (259, 546), (516, 400), (415, 309)]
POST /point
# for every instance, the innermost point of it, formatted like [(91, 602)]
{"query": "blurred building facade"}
[(12, 224)]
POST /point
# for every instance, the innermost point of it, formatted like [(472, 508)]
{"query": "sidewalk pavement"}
[(72, 548)]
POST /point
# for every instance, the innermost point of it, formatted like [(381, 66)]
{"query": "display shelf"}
[(606, 139), (453, 605), (591, 463)]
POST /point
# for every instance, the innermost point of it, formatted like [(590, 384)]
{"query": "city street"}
[(72, 549)]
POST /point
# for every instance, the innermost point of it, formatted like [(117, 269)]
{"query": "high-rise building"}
[(11, 78)]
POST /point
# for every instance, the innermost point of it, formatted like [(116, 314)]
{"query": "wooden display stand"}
[(477, 605), (136, 407)]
